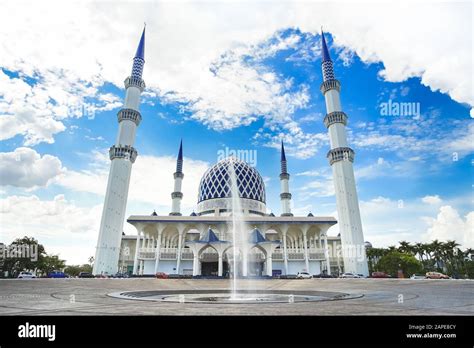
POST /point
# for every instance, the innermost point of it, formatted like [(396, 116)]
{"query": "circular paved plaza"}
[(362, 297)]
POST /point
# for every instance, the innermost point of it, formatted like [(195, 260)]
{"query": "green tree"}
[(50, 263), (394, 261), (406, 247), (74, 270), (14, 263), (469, 269)]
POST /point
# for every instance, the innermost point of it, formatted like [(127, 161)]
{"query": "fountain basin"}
[(224, 296)]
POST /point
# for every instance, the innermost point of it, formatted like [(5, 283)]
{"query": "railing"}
[(210, 255), (147, 253), (277, 255), (187, 255)]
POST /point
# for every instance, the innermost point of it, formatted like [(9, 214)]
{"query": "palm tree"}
[(437, 248), (405, 247), (420, 250)]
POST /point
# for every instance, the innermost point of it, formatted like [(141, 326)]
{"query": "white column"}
[(326, 252), (244, 261), (137, 249), (195, 263), (305, 246), (180, 243), (158, 249), (220, 265), (269, 263), (285, 249)]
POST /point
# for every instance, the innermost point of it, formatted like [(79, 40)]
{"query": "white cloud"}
[(151, 181), (298, 143), (322, 187), (26, 168), (37, 111), (411, 139), (449, 225), (309, 173), (431, 200), (387, 221), (185, 41), (60, 225)]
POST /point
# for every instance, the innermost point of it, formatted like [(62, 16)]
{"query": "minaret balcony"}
[(129, 114), (330, 84), (285, 195), (340, 154), (177, 195), (177, 175), (123, 151), (134, 81), (284, 176), (335, 117)]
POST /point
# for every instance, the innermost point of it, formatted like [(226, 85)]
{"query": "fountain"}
[(239, 233)]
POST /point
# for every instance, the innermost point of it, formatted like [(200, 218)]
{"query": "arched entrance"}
[(256, 261), (209, 260), (228, 262)]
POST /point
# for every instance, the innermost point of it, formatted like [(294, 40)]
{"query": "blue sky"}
[(414, 173)]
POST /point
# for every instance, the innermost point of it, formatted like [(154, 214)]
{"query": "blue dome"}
[(215, 183)]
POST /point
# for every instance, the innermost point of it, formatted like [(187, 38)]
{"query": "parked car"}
[(85, 275), (26, 275), (56, 274), (120, 275), (436, 275), (349, 275), (418, 276), (380, 275), (161, 275), (323, 275), (360, 275), (303, 275)]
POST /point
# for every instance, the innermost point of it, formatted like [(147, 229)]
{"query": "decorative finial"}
[(141, 46), (324, 47), (283, 156)]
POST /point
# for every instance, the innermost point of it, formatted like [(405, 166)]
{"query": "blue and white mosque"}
[(201, 244)]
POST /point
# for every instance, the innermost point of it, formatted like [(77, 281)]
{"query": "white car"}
[(349, 275), (417, 276), (26, 275), (304, 275)]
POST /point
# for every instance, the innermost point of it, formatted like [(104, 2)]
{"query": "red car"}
[(161, 275), (436, 275), (380, 275)]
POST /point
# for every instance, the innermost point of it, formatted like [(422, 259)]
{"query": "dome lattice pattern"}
[(215, 183)]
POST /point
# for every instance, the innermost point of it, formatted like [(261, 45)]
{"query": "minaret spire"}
[(285, 195), (328, 69), (283, 159), (122, 155), (139, 59), (177, 195), (341, 157), (179, 162), (324, 48)]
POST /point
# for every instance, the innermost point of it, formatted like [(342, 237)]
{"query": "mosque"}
[(202, 244)]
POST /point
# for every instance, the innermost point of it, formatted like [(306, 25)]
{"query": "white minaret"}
[(341, 157), (177, 195), (122, 155), (285, 195)]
